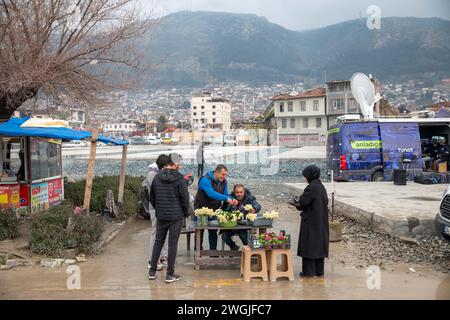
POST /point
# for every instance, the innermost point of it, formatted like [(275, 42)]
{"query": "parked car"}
[(226, 140), (154, 140), (74, 144), (442, 220), (139, 141), (169, 140), (230, 139)]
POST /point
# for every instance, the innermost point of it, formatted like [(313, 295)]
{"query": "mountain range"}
[(196, 48)]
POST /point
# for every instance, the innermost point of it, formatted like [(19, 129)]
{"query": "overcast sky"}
[(307, 14)]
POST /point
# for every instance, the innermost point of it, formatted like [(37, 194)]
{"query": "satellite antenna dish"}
[(363, 91)]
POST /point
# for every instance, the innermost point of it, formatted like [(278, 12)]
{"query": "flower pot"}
[(202, 221), (230, 224)]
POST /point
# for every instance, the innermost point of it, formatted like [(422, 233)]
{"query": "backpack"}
[(144, 201)]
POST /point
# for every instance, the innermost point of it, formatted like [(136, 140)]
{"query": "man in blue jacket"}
[(212, 193)]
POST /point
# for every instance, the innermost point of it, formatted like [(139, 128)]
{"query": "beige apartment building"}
[(340, 100), (208, 113), (301, 118)]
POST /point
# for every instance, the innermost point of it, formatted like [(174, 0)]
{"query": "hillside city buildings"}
[(126, 113)]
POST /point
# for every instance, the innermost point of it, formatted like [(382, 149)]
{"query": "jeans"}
[(174, 229), (212, 237), (227, 237), (313, 267), (153, 236)]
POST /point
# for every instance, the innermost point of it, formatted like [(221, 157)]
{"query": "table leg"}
[(198, 248)]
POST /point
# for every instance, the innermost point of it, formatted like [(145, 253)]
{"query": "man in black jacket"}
[(170, 197), (244, 197)]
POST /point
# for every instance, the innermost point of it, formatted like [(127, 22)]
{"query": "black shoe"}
[(172, 278), (151, 275), (302, 275), (235, 248)]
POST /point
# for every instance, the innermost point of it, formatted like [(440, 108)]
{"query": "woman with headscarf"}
[(314, 232)]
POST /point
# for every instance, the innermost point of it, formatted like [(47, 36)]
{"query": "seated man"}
[(433, 150), (443, 152), (426, 156), (243, 197)]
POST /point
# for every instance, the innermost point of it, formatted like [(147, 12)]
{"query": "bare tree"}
[(74, 48)]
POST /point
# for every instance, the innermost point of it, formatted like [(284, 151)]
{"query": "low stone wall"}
[(394, 227)]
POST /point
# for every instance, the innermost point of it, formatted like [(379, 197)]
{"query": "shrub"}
[(74, 192), (59, 228), (49, 233), (8, 224), (87, 229)]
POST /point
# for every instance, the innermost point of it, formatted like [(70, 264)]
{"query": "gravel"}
[(288, 170), (375, 248)]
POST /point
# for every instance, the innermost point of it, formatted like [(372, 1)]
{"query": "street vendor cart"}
[(31, 178)]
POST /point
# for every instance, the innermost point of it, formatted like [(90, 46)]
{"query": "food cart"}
[(31, 178)]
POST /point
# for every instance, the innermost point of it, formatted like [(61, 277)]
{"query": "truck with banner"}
[(371, 150)]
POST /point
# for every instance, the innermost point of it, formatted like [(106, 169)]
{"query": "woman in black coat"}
[(314, 232)]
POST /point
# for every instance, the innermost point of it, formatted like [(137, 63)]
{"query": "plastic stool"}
[(286, 269), (246, 265)]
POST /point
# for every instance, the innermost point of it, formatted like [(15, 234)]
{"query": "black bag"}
[(144, 200), (190, 212)]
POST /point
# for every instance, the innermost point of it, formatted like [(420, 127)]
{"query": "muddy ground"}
[(121, 271)]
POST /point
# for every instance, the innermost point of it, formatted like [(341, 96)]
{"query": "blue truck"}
[(371, 150)]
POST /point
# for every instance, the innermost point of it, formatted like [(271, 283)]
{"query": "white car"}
[(74, 144), (154, 140)]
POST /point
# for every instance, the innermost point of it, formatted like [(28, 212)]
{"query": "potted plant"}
[(228, 219), (203, 214), (265, 219), (270, 240)]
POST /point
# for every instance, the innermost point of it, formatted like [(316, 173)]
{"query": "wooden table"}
[(219, 257)]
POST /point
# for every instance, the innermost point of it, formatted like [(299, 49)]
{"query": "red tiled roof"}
[(313, 93), (438, 106)]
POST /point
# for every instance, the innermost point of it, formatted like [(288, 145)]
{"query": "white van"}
[(230, 139), (442, 220)]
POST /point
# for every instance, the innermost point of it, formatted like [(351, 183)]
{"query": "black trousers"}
[(174, 229), (228, 234), (313, 267), (200, 170)]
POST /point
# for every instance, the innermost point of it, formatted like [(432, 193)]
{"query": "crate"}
[(270, 246), (261, 222)]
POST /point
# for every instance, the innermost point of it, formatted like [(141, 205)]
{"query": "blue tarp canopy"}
[(12, 129)]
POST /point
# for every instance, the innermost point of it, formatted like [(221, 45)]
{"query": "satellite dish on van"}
[(363, 91)]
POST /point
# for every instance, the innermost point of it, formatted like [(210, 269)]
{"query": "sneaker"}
[(159, 266), (172, 278), (151, 275), (163, 262)]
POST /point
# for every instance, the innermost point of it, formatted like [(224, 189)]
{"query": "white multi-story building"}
[(210, 113), (340, 100), (118, 129), (301, 118)]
